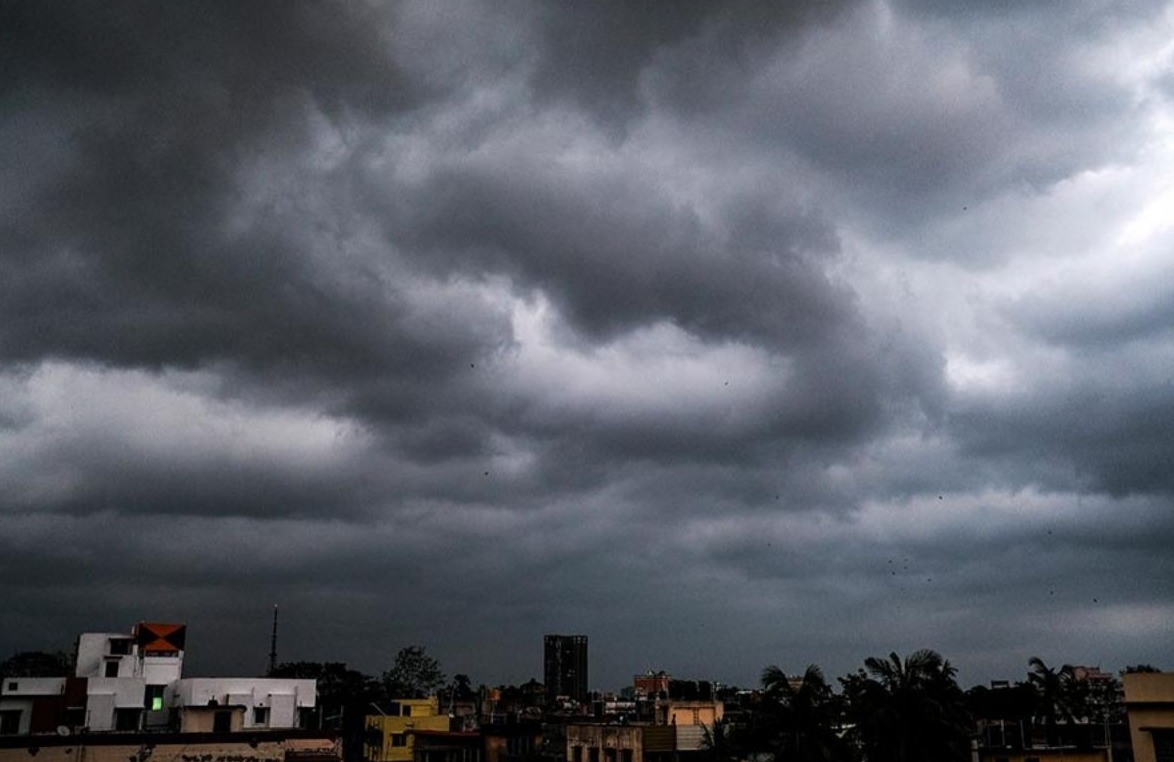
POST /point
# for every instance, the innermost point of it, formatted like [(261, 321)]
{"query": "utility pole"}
[(273, 644)]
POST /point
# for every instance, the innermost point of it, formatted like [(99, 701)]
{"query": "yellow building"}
[(1149, 700), (674, 712), (690, 719), (391, 737)]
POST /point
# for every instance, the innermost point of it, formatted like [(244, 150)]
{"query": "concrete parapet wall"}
[(173, 748)]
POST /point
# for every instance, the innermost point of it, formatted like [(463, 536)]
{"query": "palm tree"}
[(718, 742), (1059, 695), (909, 710), (806, 716)]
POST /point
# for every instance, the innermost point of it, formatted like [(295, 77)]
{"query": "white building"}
[(223, 704), (141, 655), (135, 682)]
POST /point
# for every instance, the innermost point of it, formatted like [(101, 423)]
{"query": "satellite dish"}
[(63, 730)]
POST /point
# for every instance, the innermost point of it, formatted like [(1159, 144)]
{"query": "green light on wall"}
[(157, 703)]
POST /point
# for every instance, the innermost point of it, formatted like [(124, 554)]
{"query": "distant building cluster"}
[(127, 701)]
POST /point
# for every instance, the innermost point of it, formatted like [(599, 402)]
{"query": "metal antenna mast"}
[(273, 644)]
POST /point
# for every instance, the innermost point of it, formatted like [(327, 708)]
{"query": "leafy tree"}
[(462, 688), (1104, 700), (414, 674), (37, 664), (909, 710), (338, 686)]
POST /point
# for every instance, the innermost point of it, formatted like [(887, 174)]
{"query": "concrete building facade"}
[(1149, 702), (606, 742)]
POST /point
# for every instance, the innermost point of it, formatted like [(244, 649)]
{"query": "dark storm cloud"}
[(615, 254), (1103, 440), (630, 259), (1141, 314), (1096, 418), (208, 486), (582, 317), (95, 283), (250, 57), (120, 250), (916, 115), (596, 55)]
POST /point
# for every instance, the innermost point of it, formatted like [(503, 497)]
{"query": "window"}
[(127, 719), (405, 710), (222, 722), (609, 755), (593, 754), (111, 669), (576, 754), (1163, 745), (75, 716), (13, 686), (625, 755), (399, 739), (516, 746), (120, 647), (260, 715), (9, 722), (696, 716), (153, 698)]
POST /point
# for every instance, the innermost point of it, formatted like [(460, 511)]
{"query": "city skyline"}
[(727, 334), (557, 650)]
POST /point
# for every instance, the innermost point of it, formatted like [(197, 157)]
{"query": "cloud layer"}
[(727, 337)]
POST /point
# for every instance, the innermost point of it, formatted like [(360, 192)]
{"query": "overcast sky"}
[(726, 336)]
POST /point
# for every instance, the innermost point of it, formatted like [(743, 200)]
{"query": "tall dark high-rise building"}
[(565, 667)]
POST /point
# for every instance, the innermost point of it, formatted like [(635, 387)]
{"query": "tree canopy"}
[(338, 685), (37, 664), (414, 674)]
